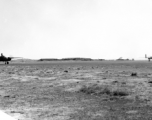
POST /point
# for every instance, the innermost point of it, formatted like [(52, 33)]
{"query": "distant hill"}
[(69, 59), (81, 59), (48, 59)]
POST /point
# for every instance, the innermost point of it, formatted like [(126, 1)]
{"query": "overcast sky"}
[(76, 28)]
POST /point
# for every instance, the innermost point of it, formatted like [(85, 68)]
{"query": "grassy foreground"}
[(79, 91)]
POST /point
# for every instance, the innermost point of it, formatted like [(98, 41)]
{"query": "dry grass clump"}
[(149, 81), (120, 92), (94, 89), (133, 74), (104, 89), (66, 71)]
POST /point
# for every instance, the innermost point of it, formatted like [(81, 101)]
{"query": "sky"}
[(98, 29)]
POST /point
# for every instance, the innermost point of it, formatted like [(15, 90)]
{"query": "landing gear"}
[(6, 62)]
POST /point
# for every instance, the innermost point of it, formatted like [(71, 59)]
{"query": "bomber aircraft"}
[(150, 57), (6, 59)]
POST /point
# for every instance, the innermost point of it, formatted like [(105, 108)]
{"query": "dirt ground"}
[(105, 90)]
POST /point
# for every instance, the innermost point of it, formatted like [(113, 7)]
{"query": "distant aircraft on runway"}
[(6, 59), (150, 57)]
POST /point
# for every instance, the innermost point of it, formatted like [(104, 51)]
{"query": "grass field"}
[(103, 90)]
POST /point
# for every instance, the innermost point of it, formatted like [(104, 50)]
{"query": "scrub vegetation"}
[(86, 90)]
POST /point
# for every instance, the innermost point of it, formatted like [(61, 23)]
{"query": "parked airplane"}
[(6, 59), (150, 57)]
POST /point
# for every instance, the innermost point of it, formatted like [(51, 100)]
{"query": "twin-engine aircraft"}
[(6, 59)]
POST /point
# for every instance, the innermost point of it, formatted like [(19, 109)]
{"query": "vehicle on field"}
[(150, 57), (6, 59)]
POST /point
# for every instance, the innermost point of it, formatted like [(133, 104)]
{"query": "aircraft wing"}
[(14, 58)]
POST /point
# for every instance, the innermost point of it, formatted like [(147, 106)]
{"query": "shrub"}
[(103, 89), (120, 93), (133, 74)]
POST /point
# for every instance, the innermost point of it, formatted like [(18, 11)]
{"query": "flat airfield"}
[(73, 90)]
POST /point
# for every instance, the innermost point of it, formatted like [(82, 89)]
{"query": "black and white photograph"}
[(75, 59)]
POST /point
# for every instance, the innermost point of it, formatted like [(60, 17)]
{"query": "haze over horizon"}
[(98, 29)]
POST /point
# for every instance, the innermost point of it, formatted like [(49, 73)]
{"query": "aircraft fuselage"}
[(149, 58), (5, 59)]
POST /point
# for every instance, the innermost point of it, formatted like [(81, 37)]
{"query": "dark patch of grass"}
[(66, 71), (120, 93), (103, 89), (149, 81), (134, 74)]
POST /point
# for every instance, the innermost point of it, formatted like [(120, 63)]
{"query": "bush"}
[(133, 74), (120, 93), (103, 89)]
